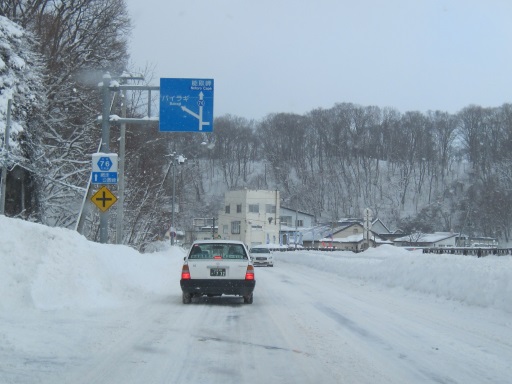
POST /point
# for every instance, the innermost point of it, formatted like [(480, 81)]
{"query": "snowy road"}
[(305, 326)]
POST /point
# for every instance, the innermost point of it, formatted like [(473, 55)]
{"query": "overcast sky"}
[(294, 56)]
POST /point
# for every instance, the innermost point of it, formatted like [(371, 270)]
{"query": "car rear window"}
[(217, 251)]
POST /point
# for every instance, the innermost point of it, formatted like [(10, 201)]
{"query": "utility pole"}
[(367, 225), (296, 224), (120, 170), (173, 225), (105, 146), (122, 145)]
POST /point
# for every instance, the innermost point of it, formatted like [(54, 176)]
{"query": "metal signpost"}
[(186, 105), (104, 171), (103, 167)]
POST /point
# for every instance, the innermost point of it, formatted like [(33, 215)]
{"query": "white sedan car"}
[(216, 268), (261, 256)]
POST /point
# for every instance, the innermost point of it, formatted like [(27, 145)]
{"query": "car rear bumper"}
[(218, 286), (262, 263)]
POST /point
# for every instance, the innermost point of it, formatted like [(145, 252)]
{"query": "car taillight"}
[(185, 273), (249, 274)]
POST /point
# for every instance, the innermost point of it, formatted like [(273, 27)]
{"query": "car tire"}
[(248, 299), (187, 298)]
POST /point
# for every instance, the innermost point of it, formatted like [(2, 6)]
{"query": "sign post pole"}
[(105, 147)]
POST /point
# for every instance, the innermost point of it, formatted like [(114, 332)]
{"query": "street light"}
[(177, 160)]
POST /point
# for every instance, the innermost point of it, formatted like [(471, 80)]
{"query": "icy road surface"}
[(305, 326)]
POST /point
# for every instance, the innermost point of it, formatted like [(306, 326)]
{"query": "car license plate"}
[(217, 272)]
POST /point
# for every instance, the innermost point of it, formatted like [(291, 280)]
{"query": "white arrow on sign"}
[(200, 116)]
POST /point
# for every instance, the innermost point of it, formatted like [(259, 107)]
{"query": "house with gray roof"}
[(428, 240)]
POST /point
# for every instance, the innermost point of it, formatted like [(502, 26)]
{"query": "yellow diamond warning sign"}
[(103, 199)]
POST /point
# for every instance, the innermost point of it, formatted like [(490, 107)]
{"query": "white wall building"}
[(294, 225), (295, 218), (251, 216)]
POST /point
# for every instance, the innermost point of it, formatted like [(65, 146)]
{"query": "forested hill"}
[(428, 172)]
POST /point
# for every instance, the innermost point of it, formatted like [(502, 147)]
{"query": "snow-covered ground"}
[(73, 311)]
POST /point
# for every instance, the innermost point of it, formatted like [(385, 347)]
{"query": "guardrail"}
[(470, 251)]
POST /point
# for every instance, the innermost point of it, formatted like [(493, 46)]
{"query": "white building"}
[(251, 216), (295, 218), (294, 225)]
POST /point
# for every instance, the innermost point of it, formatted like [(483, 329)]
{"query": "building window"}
[(254, 208), (225, 228), (235, 227), (269, 208), (286, 220), (300, 223), (228, 209), (239, 208), (355, 231)]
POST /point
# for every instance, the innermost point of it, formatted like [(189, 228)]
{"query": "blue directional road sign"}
[(186, 105), (104, 168), (104, 177)]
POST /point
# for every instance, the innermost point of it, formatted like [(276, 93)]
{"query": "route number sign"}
[(104, 168)]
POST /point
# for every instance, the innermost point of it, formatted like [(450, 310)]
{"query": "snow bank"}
[(485, 282), (50, 268)]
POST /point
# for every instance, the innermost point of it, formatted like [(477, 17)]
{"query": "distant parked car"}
[(216, 268), (261, 256)]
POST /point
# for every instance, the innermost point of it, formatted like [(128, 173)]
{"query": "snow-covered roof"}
[(282, 207), (309, 233), (354, 239), (427, 237)]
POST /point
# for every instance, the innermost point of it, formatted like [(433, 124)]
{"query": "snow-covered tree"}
[(79, 40), (20, 82)]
